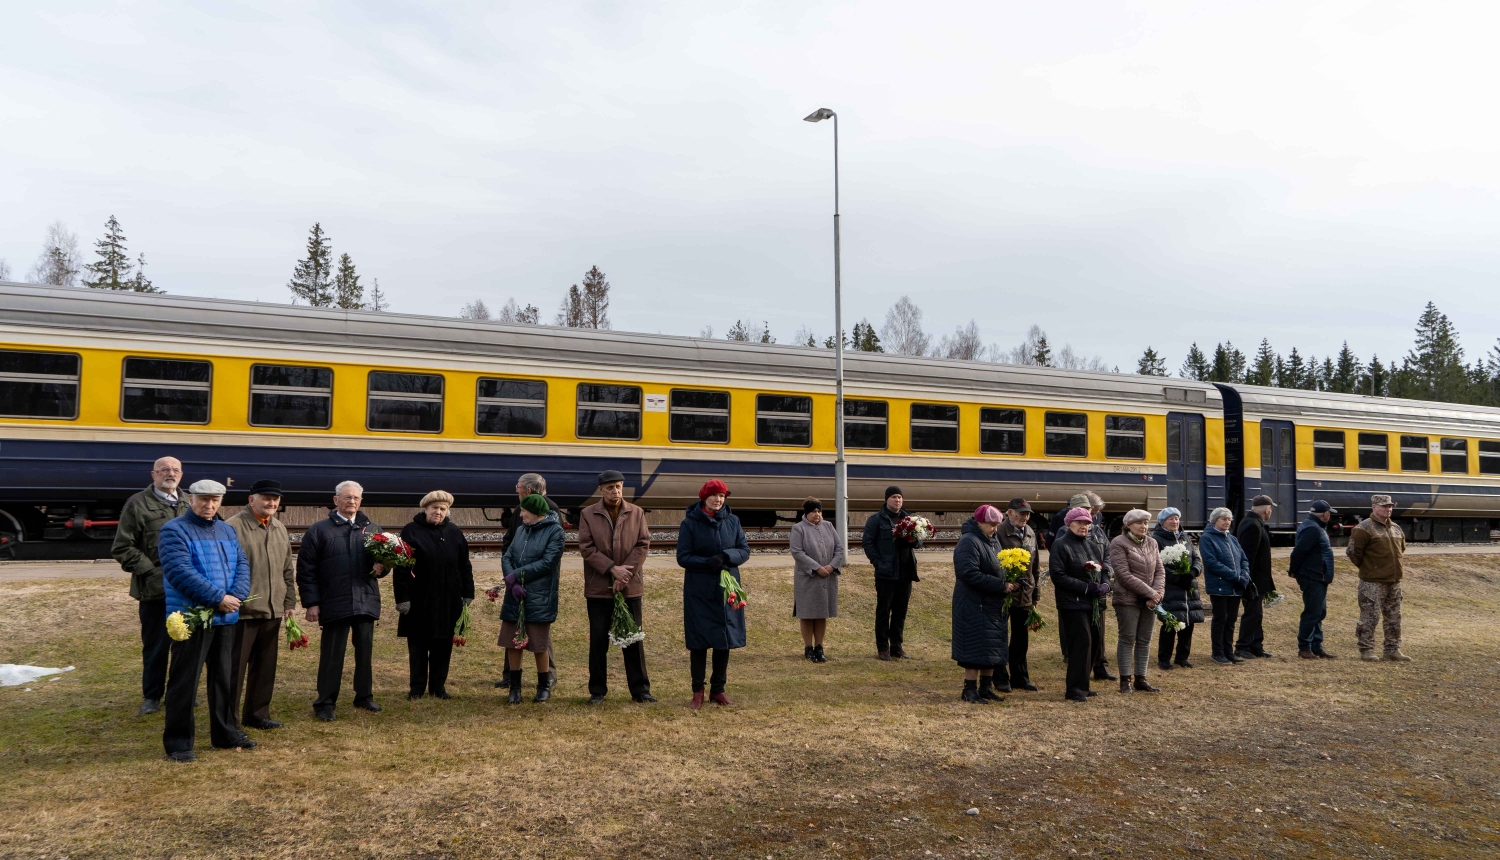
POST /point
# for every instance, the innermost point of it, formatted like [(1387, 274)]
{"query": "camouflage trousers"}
[(1377, 600)]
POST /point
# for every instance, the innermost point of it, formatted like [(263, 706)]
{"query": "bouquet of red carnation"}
[(494, 593), (390, 550), (734, 593), (912, 529), (461, 628), (295, 638)]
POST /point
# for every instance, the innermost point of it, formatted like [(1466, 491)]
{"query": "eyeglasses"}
[(166, 471)]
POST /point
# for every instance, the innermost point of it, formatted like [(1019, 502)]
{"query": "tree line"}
[(61, 263)]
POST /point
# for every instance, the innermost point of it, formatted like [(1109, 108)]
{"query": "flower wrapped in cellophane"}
[(1177, 559), (1034, 620), (1168, 620), (912, 529), (390, 550)]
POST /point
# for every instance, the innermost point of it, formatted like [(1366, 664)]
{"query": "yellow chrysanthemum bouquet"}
[(181, 625), (1016, 563)]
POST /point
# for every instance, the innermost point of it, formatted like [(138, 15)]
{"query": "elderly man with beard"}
[(135, 549)]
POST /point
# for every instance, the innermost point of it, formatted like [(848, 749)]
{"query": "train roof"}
[(364, 332), (1355, 409)]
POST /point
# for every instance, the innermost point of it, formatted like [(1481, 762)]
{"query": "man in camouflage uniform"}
[(1376, 546)]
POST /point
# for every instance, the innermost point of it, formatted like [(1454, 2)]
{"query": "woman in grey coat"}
[(818, 557)]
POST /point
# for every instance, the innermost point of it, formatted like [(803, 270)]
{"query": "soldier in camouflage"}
[(1376, 547)]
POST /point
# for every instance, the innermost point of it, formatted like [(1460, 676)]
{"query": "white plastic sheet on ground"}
[(12, 675)]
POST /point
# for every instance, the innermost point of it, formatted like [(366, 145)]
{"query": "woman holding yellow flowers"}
[(980, 598)]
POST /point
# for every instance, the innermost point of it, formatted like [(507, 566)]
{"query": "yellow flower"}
[(1015, 559), (177, 627)]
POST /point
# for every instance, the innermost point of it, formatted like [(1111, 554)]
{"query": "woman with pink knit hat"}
[(1079, 568), (979, 589)]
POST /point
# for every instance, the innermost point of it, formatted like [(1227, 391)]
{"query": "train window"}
[(1002, 431), (781, 419), (1455, 456), (510, 407), (865, 424), (1414, 456), (1374, 451), (290, 396), (934, 427), (1489, 457), (166, 391), (1067, 434), (608, 411), (699, 416), (405, 402), (1125, 437), (1328, 449), (38, 384)]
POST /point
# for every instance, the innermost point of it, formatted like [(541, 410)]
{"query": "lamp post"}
[(840, 468)]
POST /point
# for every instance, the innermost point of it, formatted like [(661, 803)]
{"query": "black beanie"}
[(893, 490), (811, 505)]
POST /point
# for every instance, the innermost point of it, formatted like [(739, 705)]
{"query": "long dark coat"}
[(892, 559), (707, 620), (1255, 539), (979, 628), (535, 557), (438, 583), (1183, 597), (1070, 578), (333, 569)]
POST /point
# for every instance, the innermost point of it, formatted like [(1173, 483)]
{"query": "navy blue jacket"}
[(891, 559), (535, 557), (333, 569), (201, 563), (1226, 570), (1312, 557), (707, 620), (979, 636)]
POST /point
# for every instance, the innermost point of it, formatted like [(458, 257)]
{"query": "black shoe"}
[(503, 683), (326, 715), (971, 696), (413, 696), (1101, 673), (1164, 665), (1236, 658), (644, 698), (1183, 663), (369, 706), (1220, 658), (442, 694), (515, 695), (807, 653), (242, 742), (1002, 687), (898, 654), (1263, 654), (818, 655), (1244, 654), (596, 699), (1076, 696), (263, 725), (1091, 693), (150, 706), (1029, 687), (182, 756)]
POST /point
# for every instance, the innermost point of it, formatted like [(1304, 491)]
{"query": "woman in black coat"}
[(1079, 568), (431, 594), (709, 542), (979, 589), (1182, 598)]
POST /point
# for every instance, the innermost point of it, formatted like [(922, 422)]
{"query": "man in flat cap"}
[(135, 549), (1015, 533), (273, 583), (1376, 547), (1255, 538), (203, 565), (1312, 566), (614, 542)]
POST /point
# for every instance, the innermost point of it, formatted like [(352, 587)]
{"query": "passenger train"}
[(95, 385)]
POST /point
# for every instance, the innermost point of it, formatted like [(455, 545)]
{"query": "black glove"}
[(1251, 592), (719, 561)]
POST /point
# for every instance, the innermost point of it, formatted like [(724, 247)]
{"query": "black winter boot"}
[(987, 689), (515, 686), (543, 689), (971, 693), (818, 656), (807, 653)]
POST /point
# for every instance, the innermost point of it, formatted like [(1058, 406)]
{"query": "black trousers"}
[(155, 645), (892, 596), (699, 661), (1221, 629), (1184, 641), (1077, 626), (1252, 634), (213, 647), (255, 651), (429, 659), (1017, 672), (1098, 657), (601, 614), (331, 660)]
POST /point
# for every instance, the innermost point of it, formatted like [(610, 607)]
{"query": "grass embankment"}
[(854, 758)]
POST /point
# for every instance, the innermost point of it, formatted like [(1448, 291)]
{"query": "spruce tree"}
[(377, 298), (140, 283), (1293, 372), (1346, 372), (1041, 356), (312, 279), (1326, 374), (1195, 366), (765, 332), (1436, 361), (571, 314), (738, 332), (595, 310), (1236, 363), (1377, 378), (1151, 364), (347, 293), (112, 270), (1263, 371), (866, 340), (1221, 369)]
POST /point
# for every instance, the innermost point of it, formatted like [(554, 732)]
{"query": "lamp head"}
[(819, 115)]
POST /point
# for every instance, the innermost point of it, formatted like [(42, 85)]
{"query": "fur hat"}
[(435, 497)]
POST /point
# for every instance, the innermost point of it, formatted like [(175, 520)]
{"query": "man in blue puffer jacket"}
[(202, 564), (1312, 565)]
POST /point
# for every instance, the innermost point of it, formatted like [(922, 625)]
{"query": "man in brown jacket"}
[(1014, 533), (273, 579), (613, 540), (1376, 546)]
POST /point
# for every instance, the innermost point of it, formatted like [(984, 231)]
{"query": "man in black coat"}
[(895, 570), (1255, 538), (336, 581)]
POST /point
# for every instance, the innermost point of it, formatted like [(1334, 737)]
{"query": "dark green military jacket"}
[(135, 541)]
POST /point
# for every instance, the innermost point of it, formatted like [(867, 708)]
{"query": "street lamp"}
[(840, 468)]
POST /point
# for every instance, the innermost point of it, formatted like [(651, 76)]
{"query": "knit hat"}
[(1136, 515), (434, 497), (893, 490), (811, 505), (1078, 515), (536, 503), (987, 514), (1078, 500), (1167, 512), (712, 487)]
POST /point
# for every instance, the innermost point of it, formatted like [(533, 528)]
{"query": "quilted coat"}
[(979, 628), (707, 620), (201, 562)]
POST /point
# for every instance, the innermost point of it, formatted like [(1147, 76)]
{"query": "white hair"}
[(339, 490), (1220, 513), (533, 482)]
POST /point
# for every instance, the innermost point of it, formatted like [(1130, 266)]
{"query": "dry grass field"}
[(854, 758)]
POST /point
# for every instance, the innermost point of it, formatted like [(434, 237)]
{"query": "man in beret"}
[(273, 582), (1312, 566), (895, 563), (203, 565), (1376, 546), (614, 542)]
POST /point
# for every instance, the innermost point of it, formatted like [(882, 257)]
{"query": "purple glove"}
[(510, 579), (518, 591)]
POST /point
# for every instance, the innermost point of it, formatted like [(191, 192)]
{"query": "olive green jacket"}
[(135, 541), (273, 573), (1377, 550)]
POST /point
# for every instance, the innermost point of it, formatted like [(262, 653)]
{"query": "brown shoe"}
[(1307, 655), (1397, 657), (697, 703), (1125, 686), (1324, 655), (1369, 656), (1145, 686)]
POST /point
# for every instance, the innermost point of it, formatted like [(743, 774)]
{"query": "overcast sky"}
[(1123, 174)]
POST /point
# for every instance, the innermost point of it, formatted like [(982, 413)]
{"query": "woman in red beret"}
[(710, 542)]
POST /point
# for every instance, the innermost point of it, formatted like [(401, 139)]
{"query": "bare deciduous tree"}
[(59, 263), (963, 344), (902, 333), (475, 310)]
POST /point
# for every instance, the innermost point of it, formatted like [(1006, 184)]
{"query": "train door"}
[(1187, 471), (1278, 471)]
